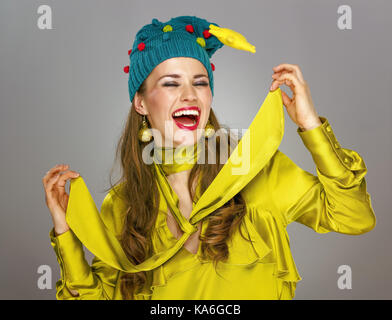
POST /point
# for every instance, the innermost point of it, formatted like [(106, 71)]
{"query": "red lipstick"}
[(187, 127)]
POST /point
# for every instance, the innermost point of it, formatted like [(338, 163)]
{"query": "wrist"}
[(310, 125), (60, 230)]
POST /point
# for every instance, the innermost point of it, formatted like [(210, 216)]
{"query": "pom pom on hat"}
[(141, 46), (206, 34), (189, 28), (167, 28), (201, 41)]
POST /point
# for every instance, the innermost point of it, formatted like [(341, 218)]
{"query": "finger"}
[(278, 76), (53, 171), (287, 101), (49, 187), (294, 68), (62, 181), (276, 83), (287, 75), (289, 79)]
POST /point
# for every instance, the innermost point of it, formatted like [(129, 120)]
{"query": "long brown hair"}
[(140, 193)]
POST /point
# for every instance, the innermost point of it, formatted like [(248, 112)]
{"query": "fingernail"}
[(76, 174)]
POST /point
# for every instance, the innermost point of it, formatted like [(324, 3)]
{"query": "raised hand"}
[(300, 107), (55, 196)]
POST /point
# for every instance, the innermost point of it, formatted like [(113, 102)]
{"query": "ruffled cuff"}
[(70, 255), (326, 151)]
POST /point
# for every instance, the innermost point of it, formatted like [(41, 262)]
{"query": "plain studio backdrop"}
[(64, 99)]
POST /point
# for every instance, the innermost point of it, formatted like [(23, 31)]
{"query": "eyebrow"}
[(179, 76)]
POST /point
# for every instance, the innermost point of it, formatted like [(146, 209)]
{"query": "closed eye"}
[(176, 85), (170, 85)]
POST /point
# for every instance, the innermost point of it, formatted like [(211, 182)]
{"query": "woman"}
[(180, 228)]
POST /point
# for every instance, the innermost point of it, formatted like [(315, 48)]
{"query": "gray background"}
[(64, 99)]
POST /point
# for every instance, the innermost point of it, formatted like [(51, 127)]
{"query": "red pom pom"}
[(129, 51), (212, 66), (189, 28), (126, 69), (141, 46), (206, 34)]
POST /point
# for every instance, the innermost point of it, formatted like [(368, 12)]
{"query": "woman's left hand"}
[(300, 107)]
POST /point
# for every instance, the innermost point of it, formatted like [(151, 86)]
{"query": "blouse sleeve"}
[(334, 200), (95, 282)]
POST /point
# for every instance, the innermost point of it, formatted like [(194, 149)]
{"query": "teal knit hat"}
[(184, 36)]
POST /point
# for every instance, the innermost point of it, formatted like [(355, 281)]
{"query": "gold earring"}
[(209, 130), (145, 133)]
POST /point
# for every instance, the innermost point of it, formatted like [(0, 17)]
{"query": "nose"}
[(188, 93)]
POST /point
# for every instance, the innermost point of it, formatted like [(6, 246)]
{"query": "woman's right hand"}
[(55, 196)]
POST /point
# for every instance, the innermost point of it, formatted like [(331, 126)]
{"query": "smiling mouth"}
[(187, 118)]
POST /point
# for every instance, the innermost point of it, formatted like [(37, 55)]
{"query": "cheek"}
[(207, 106), (159, 105), (207, 100)]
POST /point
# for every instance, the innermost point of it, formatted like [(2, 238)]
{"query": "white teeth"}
[(186, 112)]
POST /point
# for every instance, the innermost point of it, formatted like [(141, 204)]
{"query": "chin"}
[(186, 137)]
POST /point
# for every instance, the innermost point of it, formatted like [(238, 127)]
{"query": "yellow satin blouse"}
[(278, 193)]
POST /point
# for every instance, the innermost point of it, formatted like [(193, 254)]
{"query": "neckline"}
[(173, 238), (172, 160)]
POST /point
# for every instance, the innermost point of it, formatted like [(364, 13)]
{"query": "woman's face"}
[(175, 84)]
